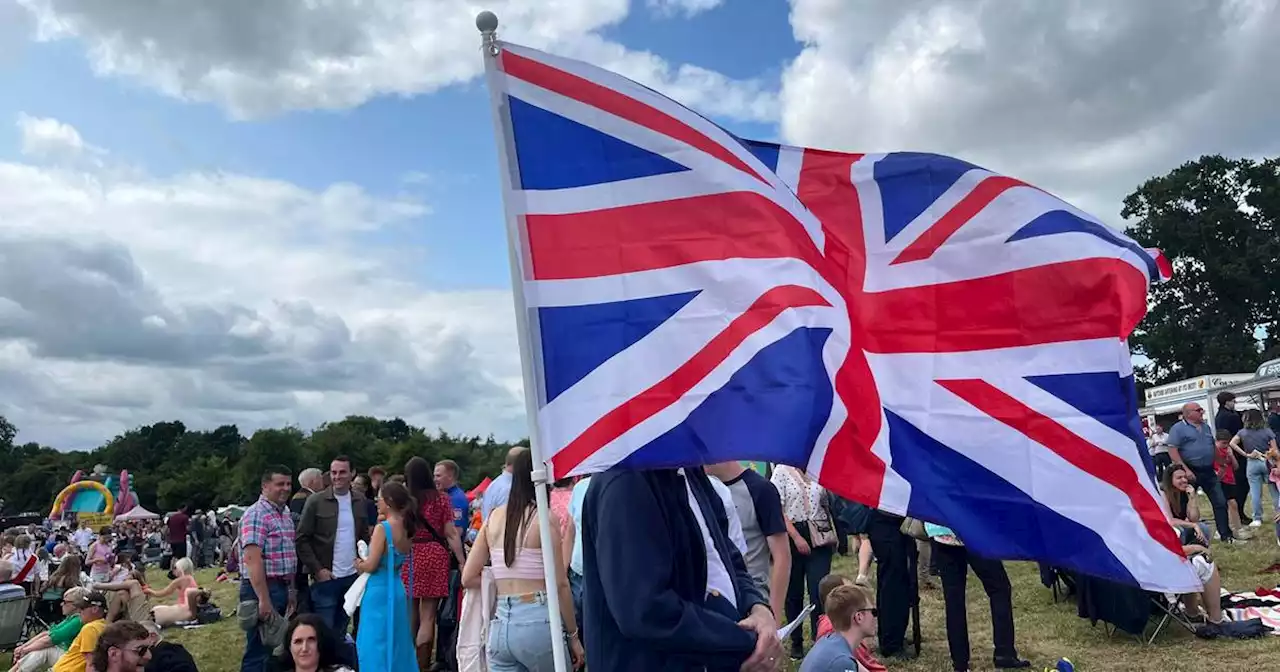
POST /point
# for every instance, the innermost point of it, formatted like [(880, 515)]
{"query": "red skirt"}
[(430, 571)]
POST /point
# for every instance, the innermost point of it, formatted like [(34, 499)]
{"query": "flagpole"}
[(487, 24)]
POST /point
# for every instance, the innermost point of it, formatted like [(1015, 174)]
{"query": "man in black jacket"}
[(1228, 418), (663, 587)]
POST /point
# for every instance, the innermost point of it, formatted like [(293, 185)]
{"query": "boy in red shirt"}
[(863, 654), (1224, 464)]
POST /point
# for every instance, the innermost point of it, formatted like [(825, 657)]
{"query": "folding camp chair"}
[(1167, 608), (14, 606)]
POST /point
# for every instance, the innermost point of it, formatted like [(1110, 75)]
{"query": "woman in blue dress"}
[(385, 639)]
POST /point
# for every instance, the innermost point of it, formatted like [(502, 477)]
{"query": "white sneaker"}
[(1256, 523)]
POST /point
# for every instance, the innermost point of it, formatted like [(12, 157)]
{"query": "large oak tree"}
[(1216, 218)]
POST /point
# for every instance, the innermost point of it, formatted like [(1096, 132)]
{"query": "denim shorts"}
[(520, 635)]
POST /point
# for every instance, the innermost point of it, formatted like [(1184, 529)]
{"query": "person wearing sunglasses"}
[(43, 651), (853, 620), (125, 646)]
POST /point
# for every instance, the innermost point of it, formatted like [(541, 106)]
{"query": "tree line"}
[(170, 465), (1218, 220)]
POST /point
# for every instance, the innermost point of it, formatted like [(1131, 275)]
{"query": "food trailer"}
[(1263, 387), (1164, 402)]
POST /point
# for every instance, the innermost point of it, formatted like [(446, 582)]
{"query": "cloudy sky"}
[(269, 213)]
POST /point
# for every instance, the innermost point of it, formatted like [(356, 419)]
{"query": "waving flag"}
[(921, 334)]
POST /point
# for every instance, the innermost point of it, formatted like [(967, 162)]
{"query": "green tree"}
[(170, 465), (287, 446), (202, 485), (1216, 218)]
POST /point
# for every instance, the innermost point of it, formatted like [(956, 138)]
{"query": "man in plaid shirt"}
[(268, 560)]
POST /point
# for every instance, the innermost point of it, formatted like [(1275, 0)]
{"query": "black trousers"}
[(1161, 462), (806, 571), (954, 563), (894, 581)]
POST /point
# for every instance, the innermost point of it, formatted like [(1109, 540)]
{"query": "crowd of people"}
[(102, 620), (664, 569)]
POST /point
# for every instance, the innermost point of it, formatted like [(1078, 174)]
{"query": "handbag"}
[(914, 528), (822, 531), (473, 626)]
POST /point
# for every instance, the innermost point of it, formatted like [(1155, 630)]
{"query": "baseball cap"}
[(94, 598)]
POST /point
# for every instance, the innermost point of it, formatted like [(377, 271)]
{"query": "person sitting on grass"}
[(80, 652), (184, 584), (1184, 505), (128, 597), (853, 620), (166, 615), (190, 596), (829, 583), (1184, 515), (43, 650)]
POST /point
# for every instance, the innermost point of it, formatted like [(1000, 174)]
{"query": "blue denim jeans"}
[(326, 602), (1259, 478), (520, 635), (256, 653), (1208, 481), (575, 588)]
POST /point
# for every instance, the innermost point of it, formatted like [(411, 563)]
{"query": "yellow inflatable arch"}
[(109, 500)]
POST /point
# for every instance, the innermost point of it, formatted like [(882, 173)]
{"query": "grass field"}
[(1045, 631)]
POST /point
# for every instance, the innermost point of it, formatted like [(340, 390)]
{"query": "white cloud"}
[(686, 8), (257, 58), (127, 298), (43, 138), (1085, 99)]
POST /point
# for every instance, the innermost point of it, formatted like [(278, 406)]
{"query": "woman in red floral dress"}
[(429, 566)]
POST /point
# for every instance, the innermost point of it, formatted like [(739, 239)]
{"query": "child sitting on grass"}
[(863, 654)]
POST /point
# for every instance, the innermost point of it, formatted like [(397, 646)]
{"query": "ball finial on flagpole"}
[(487, 24)]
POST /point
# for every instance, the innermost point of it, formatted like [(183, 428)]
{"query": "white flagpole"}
[(526, 324)]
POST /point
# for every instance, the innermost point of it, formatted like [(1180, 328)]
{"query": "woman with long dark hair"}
[(519, 636), (385, 641), (434, 537), (310, 647)]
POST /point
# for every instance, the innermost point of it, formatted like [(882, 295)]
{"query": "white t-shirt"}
[(718, 578), (731, 510), (344, 542), (1158, 443)]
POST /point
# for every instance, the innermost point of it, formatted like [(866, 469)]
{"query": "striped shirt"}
[(270, 528)]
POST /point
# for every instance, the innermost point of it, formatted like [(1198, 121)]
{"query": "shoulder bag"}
[(822, 530)]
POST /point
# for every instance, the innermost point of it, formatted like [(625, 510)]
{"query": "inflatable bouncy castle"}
[(95, 493)]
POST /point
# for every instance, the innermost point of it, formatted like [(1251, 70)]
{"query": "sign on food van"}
[(1198, 384), (1268, 369)]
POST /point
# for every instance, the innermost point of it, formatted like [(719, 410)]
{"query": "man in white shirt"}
[(1158, 446), (332, 522), (83, 537)]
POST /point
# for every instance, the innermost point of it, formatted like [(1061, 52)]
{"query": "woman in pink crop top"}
[(520, 636)]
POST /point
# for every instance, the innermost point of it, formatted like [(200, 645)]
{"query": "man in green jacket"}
[(332, 522)]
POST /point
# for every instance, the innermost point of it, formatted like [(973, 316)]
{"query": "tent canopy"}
[(479, 489), (137, 513)]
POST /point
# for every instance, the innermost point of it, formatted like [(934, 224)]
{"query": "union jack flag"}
[(921, 334)]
